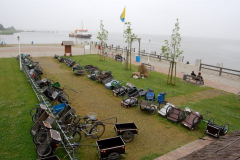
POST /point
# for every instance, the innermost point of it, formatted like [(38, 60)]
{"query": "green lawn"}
[(224, 108), (16, 100), (157, 81)]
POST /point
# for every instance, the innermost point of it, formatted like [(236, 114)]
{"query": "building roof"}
[(67, 43), (227, 147)]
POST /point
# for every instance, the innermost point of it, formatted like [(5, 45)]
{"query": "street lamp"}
[(18, 37), (149, 49)]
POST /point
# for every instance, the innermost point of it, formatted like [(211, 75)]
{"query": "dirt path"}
[(156, 134)]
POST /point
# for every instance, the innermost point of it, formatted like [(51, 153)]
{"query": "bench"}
[(149, 67), (194, 78)]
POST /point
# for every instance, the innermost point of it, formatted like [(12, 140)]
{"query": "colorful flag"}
[(122, 17)]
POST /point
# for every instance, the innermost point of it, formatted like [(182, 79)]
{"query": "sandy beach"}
[(226, 82)]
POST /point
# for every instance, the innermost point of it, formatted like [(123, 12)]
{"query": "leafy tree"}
[(172, 51), (1, 27), (128, 35), (11, 28), (103, 37)]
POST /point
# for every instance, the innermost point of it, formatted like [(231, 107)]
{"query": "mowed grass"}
[(156, 81), (16, 100)]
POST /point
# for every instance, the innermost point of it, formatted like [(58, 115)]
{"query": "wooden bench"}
[(194, 78)]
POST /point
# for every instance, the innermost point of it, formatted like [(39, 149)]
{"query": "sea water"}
[(210, 50)]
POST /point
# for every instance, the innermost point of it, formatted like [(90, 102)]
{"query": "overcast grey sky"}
[(201, 18)]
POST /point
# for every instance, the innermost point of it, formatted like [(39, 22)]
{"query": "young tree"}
[(172, 51), (103, 37), (127, 34)]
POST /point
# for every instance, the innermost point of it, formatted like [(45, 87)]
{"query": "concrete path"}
[(229, 83)]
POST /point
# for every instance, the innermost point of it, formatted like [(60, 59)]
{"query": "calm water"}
[(210, 50)]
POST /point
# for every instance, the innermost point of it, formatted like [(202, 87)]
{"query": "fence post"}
[(200, 66), (220, 73)]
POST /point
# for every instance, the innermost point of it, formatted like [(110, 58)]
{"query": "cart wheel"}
[(114, 155), (74, 137), (44, 150), (127, 136), (39, 138), (195, 122), (33, 111), (142, 108), (152, 110), (169, 110), (97, 130), (64, 97), (225, 128), (211, 121)]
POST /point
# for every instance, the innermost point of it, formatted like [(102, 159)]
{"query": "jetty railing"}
[(219, 69)]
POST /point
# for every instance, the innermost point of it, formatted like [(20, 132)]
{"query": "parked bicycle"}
[(90, 127)]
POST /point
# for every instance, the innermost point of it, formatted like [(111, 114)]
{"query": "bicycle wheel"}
[(97, 130), (44, 150), (35, 117), (33, 111), (74, 137), (39, 138)]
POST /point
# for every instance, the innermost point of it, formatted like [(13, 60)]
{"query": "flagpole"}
[(123, 44), (123, 36)]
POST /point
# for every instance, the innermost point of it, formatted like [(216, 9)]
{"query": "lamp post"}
[(18, 37), (149, 49)]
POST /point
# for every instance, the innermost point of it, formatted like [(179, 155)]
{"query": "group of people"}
[(198, 76)]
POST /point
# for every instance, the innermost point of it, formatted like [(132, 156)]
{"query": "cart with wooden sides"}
[(192, 119)]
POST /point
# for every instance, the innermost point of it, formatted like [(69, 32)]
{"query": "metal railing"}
[(219, 69), (43, 99)]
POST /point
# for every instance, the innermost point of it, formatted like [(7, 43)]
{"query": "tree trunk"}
[(170, 73)]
